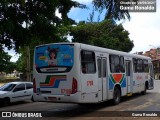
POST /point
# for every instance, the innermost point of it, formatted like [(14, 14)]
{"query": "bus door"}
[(102, 78), (129, 78), (151, 72)]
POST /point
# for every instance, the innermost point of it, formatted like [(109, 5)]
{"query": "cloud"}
[(79, 14), (84, 1), (14, 55), (58, 14), (144, 29)]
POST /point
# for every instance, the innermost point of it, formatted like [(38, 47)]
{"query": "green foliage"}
[(21, 62), (5, 59), (5, 64), (23, 21), (11, 66), (33, 22), (104, 34), (112, 8)]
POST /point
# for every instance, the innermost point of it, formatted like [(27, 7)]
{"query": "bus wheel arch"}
[(116, 94)]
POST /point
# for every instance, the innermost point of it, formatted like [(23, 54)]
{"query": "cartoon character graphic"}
[(52, 55)]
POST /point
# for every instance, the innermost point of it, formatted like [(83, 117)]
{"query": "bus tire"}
[(116, 96), (145, 90), (32, 99)]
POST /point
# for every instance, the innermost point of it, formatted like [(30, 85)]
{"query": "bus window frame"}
[(118, 67), (84, 67)]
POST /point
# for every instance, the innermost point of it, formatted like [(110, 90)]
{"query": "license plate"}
[(52, 98)]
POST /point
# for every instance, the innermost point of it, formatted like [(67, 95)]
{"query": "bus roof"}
[(100, 49)]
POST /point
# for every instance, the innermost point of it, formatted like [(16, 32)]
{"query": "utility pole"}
[(28, 68)]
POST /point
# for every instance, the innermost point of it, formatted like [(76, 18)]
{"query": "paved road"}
[(137, 102)]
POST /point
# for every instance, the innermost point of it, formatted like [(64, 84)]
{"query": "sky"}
[(144, 28)]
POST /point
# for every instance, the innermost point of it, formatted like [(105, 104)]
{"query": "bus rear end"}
[(54, 77)]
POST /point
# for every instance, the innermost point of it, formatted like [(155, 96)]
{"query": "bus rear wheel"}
[(145, 90), (116, 96), (32, 99)]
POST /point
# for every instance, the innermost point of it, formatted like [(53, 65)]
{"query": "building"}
[(155, 55), (156, 65)]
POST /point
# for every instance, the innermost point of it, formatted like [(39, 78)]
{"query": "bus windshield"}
[(54, 58)]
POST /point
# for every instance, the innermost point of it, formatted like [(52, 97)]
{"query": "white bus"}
[(80, 73)]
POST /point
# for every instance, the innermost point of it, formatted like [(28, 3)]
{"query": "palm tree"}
[(112, 8)]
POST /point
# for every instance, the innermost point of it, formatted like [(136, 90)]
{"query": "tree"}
[(5, 61), (11, 66), (104, 34), (23, 21), (112, 8), (21, 62)]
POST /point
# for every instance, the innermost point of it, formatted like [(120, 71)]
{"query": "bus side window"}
[(119, 69), (146, 68), (116, 64), (88, 62), (84, 68), (135, 65), (122, 65), (140, 65)]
